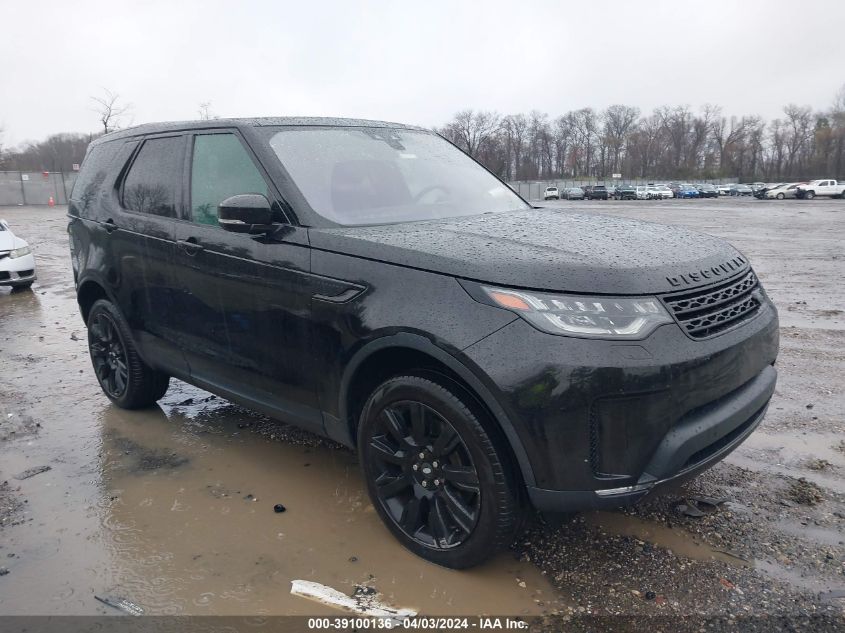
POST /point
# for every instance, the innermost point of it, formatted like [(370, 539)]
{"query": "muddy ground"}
[(172, 508)]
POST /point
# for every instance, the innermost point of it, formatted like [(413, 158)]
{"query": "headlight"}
[(591, 317), (19, 252)]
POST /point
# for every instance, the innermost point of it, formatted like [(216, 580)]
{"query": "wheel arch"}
[(391, 355), (90, 290)]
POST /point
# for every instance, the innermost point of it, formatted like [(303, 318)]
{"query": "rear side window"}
[(221, 168), (95, 169), (153, 182)]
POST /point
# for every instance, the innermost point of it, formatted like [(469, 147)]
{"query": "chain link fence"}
[(19, 188)]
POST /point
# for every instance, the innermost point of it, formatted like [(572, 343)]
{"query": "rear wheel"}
[(126, 379), (809, 195), (434, 474)]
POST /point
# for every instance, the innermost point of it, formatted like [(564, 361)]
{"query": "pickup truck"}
[(821, 188)]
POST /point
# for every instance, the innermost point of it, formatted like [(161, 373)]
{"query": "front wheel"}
[(435, 475), (126, 379), (780, 196)]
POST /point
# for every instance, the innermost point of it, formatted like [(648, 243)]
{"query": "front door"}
[(245, 307)]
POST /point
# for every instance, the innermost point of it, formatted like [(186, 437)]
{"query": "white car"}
[(659, 192), (17, 265), (784, 191), (723, 190), (642, 192), (551, 193)]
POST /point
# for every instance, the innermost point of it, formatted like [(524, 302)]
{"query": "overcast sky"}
[(409, 61)]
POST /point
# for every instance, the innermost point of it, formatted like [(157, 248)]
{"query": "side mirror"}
[(246, 213)]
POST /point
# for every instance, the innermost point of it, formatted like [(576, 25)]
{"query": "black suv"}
[(595, 192), (370, 282)]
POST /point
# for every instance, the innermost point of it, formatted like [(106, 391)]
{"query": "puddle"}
[(176, 519), (678, 540)]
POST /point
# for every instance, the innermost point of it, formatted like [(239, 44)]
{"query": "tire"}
[(780, 196), (125, 379), (809, 195), (437, 478), (21, 287)]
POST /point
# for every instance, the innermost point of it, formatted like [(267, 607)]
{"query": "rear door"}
[(244, 313), (141, 235)]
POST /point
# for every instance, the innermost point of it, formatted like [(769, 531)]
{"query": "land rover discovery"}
[(371, 283)]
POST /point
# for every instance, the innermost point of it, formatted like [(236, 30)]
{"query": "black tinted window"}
[(95, 168), (153, 182), (221, 168)]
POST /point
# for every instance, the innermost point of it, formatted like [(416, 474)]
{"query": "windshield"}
[(354, 176)]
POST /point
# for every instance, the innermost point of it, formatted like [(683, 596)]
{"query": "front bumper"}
[(605, 422), (17, 271)]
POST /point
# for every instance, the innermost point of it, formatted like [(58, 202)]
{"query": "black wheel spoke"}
[(446, 442), (461, 477), (390, 486), (395, 426), (418, 423), (385, 453), (437, 521), (411, 515), (458, 511)]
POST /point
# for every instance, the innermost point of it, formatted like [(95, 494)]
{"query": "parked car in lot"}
[(574, 193), (707, 191), (626, 192), (760, 192), (658, 193), (740, 190), (551, 193), (642, 192), (308, 269), (724, 190), (829, 188), (784, 191), (595, 192), (17, 263), (611, 191), (686, 191)]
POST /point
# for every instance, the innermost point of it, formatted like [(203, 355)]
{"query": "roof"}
[(174, 126)]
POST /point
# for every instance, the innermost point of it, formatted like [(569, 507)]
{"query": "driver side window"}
[(220, 168)]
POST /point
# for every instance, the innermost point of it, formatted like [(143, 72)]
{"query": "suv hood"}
[(546, 250)]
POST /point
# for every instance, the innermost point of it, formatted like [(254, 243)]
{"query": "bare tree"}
[(205, 111), (470, 129), (110, 110)]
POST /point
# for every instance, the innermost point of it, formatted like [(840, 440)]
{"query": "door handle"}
[(190, 246), (110, 226)]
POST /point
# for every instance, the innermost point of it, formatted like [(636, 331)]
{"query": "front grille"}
[(703, 313), (4, 276), (25, 273)]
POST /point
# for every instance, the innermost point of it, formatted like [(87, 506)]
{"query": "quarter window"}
[(152, 184), (221, 168)]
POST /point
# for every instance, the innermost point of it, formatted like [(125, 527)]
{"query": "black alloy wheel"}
[(123, 375), (425, 476), (436, 476), (108, 355)]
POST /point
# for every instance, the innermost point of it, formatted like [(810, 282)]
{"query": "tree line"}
[(671, 142)]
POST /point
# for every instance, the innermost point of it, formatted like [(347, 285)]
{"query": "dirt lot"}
[(172, 508)]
